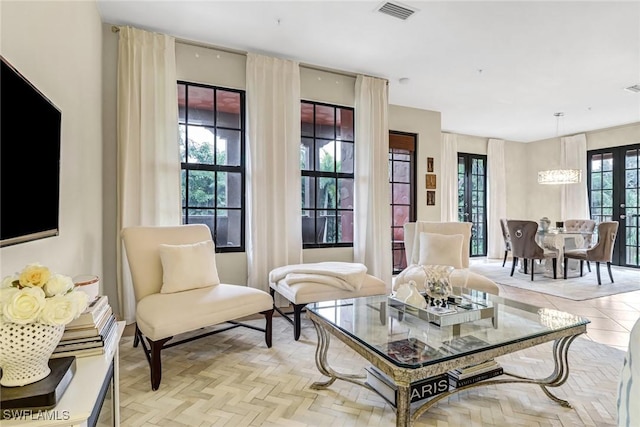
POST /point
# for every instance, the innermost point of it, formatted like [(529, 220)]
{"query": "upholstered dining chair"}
[(524, 245), (507, 239), (585, 226), (177, 290), (600, 252)]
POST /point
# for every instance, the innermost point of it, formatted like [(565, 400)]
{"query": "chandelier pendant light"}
[(560, 176)]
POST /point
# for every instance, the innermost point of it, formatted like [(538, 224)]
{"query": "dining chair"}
[(600, 252), (524, 245), (507, 239), (585, 226)]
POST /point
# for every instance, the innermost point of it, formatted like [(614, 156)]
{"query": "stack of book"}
[(420, 390), (92, 333), (473, 373)]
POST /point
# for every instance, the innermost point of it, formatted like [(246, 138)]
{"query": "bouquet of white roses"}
[(36, 295)]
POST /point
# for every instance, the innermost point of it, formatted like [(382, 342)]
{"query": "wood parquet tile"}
[(232, 379)]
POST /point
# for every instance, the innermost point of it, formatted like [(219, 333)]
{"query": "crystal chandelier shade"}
[(560, 176)]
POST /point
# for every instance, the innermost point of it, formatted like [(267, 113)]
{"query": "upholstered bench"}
[(301, 293)]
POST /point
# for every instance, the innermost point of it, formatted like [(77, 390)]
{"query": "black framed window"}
[(212, 150), (326, 164)]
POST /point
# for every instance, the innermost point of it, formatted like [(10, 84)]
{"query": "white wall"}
[(57, 46)]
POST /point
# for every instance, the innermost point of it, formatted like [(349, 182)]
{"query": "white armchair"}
[(177, 290), (461, 276)]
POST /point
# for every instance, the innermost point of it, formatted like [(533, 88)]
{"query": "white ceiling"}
[(493, 69)]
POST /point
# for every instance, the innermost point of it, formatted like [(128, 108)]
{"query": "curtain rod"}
[(116, 29)]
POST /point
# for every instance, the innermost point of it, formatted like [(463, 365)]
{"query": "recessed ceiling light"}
[(634, 88)]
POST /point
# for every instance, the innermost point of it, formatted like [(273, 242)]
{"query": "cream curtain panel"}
[(449, 173), (148, 181), (274, 200), (496, 197), (372, 212), (574, 202)]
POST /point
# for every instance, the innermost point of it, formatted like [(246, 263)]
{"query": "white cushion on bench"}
[(163, 315), (308, 292)]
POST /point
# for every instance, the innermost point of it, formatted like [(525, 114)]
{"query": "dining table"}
[(557, 239)]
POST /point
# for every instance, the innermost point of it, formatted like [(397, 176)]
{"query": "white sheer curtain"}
[(147, 133), (274, 224), (496, 197), (449, 174), (372, 212), (574, 202)]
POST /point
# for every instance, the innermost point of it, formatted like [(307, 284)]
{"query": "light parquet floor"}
[(233, 379)]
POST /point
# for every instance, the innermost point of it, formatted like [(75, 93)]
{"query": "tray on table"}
[(460, 310)]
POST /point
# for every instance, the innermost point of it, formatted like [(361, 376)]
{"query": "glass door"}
[(472, 199), (402, 148), (613, 182)]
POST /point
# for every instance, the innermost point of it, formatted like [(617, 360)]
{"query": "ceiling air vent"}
[(634, 88), (396, 10)]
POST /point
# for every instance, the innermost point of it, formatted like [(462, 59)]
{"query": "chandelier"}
[(560, 176)]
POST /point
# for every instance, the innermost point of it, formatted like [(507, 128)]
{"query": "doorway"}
[(472, 199), (613, 176), (402, 177)]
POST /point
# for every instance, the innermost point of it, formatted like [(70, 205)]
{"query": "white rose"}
[(5, 295), (58, 284), (58, 310), (7, 281), (24, 306), (80, 300)]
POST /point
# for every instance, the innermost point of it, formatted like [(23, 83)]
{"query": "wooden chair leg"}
[(589, 266), (598, 273), (268, 328), (526, 265), (136, 337), (513, 265), (155, 362), (609, 269), (566, 267), (581, 267), (297, 309), (504, 261), (555, 268)]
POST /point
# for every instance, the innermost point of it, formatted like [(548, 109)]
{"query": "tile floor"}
[(612, 317)]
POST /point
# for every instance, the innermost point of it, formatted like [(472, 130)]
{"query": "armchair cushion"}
[(164, 315), (441, 249), (186, 267), (412, 232)]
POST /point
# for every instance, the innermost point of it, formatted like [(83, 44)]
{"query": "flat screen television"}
[(29, 160)]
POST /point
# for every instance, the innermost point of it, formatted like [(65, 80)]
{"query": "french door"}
[(402, 173), (472, 199), (613, 180)]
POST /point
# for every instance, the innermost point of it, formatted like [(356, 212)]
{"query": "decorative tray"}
[(459, 310)]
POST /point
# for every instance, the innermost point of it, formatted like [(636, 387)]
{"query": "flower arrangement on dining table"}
[(37, 295)]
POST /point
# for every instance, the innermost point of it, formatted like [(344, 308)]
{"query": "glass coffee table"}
[(385, 332)]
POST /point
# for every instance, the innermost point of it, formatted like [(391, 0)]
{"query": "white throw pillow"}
[(186, 267), (441, 249)]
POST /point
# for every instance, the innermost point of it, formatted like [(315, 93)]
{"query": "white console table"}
[(92, 391)]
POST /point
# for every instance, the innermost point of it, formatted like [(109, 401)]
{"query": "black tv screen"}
[(29, 160)]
